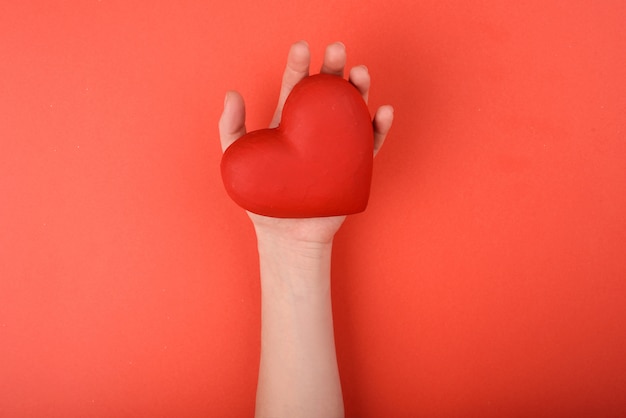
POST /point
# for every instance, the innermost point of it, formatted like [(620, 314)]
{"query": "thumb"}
[(232, 124)]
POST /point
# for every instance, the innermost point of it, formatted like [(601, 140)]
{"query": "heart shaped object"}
[(317, 162)]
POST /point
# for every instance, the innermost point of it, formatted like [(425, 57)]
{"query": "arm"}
[(298, 375)]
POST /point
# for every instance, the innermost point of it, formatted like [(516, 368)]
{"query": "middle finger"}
[(334, 59)]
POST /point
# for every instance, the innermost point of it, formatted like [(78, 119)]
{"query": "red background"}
[(486, 278)]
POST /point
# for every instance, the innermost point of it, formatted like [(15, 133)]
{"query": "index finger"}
[(297, 68)]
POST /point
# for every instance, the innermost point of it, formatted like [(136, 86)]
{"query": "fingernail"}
[(226, 99), (341, 43)]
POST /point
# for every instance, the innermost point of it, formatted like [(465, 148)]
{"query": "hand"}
[(310, 231)]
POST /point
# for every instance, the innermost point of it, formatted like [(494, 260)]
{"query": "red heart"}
[(318, 162)]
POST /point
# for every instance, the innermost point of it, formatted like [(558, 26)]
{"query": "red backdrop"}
[(486, 278)]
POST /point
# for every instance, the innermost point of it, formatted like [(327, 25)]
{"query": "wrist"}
[(295, 265), (298, 232), (291, 246)]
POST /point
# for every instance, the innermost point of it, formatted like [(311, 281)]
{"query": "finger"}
[(297, 68), (360, 78), (382, 124), (334, 59), (232, 124)]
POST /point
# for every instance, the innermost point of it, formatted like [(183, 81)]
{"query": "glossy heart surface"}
[(317, 162)]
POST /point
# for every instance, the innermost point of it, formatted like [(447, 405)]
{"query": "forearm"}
[(298, 375)]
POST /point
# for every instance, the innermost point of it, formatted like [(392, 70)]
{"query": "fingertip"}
[(334, 59), (300, 52), (298, 61), (384, 119), (232, 121), (335, 50), (227, 97), (302, 42), (359, 70), (382, 124), (385, 113), (232, 99), (360, 78)]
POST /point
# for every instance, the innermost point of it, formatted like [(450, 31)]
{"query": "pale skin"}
[(298, 375)]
